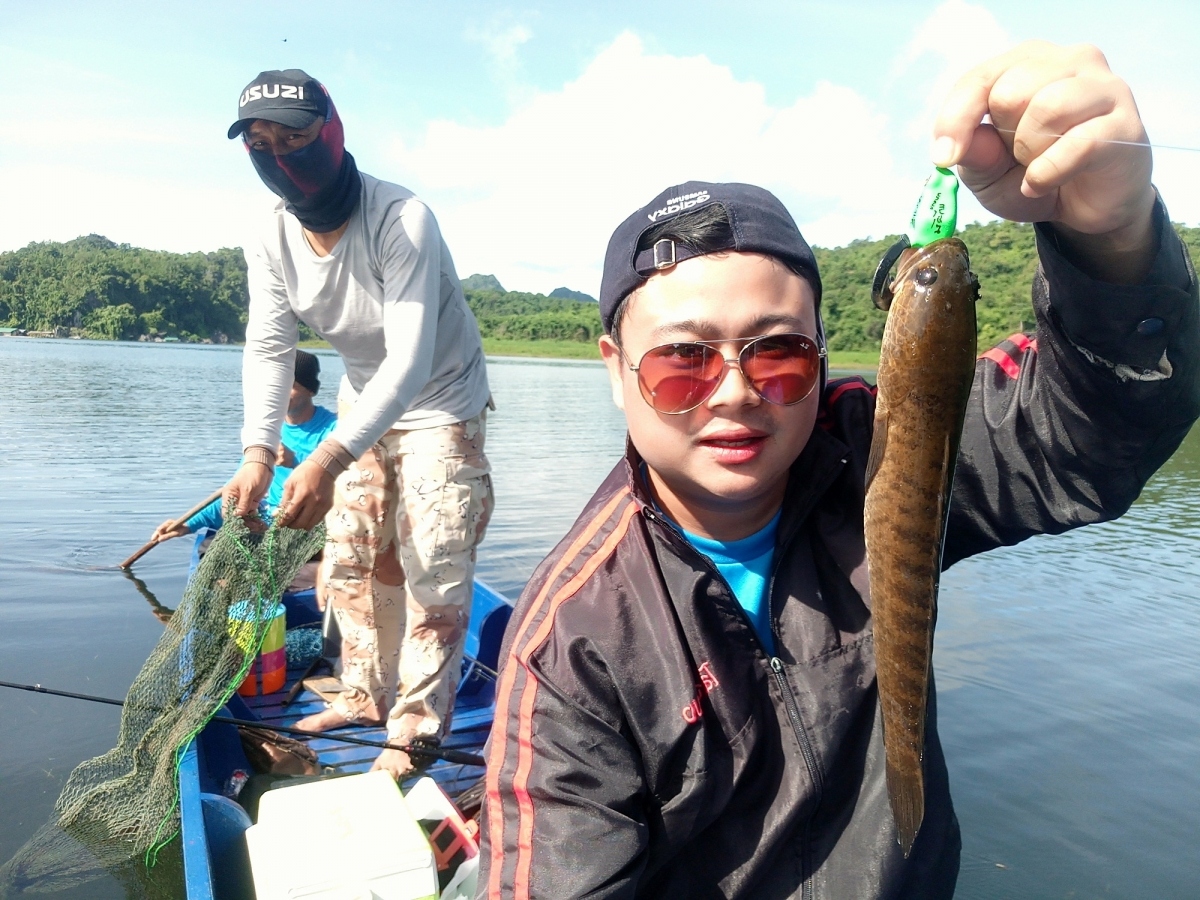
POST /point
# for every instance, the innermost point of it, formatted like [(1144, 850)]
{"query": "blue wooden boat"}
[(216, 865)]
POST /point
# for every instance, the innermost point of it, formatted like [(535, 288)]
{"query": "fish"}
[(926, 367)]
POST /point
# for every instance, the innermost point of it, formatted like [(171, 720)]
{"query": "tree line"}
[(99, 289)]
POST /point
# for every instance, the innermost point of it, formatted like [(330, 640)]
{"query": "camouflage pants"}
[(399, 570)]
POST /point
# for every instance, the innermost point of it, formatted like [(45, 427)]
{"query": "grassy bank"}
[(853, 360), (856, 360), (545, 349), (838, 359)]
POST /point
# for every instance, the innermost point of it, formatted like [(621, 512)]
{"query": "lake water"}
[(1067, 667)]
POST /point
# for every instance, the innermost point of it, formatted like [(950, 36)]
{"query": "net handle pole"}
[(150, 545)]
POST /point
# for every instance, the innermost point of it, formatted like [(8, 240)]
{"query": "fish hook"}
[(881, 288)]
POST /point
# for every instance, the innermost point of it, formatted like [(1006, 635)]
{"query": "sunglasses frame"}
[(726, 364)]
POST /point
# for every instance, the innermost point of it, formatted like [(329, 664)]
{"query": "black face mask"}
[(320, 182)]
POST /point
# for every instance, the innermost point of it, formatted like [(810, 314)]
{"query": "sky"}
[(533, 130)]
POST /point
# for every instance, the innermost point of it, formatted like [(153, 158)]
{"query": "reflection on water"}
[(160, 612), (1066, 666)]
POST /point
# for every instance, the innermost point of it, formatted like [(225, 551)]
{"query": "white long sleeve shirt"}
[(387, 299)]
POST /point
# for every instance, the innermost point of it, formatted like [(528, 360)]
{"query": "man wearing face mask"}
[(403, 482)]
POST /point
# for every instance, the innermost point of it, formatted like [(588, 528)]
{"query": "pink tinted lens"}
[(782, 368), (677, 377)]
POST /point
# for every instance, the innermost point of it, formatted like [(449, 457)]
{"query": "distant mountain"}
[(533, 317), (568, 294), (482, 283)]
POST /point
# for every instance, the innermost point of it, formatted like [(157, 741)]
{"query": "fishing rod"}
[(458, 757)]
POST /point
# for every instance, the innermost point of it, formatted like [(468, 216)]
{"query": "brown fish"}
[(926, 367)]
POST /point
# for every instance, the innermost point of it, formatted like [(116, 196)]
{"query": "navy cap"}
[(759, 223), (308, 371), (290, 97)]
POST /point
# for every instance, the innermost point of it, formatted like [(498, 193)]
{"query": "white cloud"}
[(957, 36), (59, 202), (533, 200), (161, 182), (501, 44), (44, 135)]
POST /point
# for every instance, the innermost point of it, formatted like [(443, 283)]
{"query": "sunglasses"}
[(781, 368)]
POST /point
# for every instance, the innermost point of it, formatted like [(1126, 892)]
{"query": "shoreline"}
[(842, 361), (855, 361), (839, 360)]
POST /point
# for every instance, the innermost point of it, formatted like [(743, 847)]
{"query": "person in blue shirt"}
[(305, 426)]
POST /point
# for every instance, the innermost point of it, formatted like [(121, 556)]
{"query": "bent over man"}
[(403, 482), (688, 704)]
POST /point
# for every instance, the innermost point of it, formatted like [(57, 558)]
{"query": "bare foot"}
[(327, 721), (394, 761)]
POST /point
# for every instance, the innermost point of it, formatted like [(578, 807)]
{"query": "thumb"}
[(243, 501), (283, 512)]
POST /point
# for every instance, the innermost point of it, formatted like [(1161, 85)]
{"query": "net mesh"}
[(122, 808)]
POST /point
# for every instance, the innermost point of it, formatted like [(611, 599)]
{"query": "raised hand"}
[(1093, 182)]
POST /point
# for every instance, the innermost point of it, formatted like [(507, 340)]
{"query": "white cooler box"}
[(349, 838)]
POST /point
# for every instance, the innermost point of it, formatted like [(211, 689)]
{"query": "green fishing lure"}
[(936, 213), (934, 218)]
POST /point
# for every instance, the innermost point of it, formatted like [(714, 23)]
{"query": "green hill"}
[(482, 283), (516, 316), (567, 294), (106, 290), (100, 289)]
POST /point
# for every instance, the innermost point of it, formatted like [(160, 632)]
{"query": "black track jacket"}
[(645, 745)]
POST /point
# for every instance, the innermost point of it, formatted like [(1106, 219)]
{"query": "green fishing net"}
[(120, 809)]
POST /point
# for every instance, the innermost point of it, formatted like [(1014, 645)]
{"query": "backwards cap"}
[(759, 223)]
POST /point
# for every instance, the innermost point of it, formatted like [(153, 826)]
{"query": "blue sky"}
[(532, 130)]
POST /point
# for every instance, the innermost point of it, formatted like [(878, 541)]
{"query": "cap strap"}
[(663, 255)]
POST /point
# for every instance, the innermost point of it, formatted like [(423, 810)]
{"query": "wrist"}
[(1122, 255), (263, 456), (332, 457)]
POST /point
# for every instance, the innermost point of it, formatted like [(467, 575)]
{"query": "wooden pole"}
[(146, 548)]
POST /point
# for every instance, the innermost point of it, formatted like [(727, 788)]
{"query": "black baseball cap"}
[(308, 371), (290, 97), (759, 223)]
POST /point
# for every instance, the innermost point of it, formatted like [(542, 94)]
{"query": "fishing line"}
[(452, 756), (1079, 137)]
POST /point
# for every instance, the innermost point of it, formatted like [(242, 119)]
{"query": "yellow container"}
[(268, 673)]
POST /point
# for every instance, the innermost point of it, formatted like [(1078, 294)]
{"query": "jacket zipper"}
[(793, 711), (810, 760)]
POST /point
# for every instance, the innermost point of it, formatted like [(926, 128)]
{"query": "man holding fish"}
[(688, 705)]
